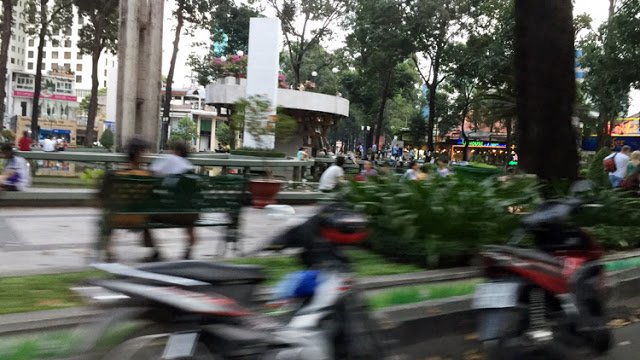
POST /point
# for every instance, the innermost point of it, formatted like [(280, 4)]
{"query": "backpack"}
[(609, 163)]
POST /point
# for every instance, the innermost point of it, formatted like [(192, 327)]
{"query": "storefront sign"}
[(44, 95), (482, 144)]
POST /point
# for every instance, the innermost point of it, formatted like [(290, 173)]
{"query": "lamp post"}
[(366, 140)]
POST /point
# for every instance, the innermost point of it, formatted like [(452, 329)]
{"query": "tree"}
[(546, 88), (193, 14), (315, 18), (45, 18), (98, 34), (106, 140), (224, 134), (5, 38), (434, 41), (186, 130), (230, 24), (380, 46)]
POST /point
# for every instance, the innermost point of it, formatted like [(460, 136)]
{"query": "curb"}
[(410, 323)]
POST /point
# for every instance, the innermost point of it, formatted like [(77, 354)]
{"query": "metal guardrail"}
[(199, 160)]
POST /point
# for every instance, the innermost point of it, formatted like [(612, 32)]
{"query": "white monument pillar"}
[(262, 71), (139, 71)]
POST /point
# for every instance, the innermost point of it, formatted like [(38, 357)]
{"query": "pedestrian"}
[(302, 154), (24, 144), (443, 167), (15, 176), (333, 176), (374, 152), (368, 170), (48, 145), (394, 152), (620, 161), (413, 172), (172, 164), (412, 154), (400, 153), (634, 162)]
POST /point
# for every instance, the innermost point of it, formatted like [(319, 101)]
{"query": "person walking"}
[(48, 145), (634, 162), (374, 152), (368, 170), (413, 172), (333, 176), (15, 176), (621, 160), (24, 144)]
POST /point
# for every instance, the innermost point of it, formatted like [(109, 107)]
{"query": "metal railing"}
[(290, 169)]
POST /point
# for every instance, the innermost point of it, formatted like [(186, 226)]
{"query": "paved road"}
[(45, 240), (627, 347)]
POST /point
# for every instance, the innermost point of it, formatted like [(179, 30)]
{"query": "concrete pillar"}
[(139, 71), (262, 71)]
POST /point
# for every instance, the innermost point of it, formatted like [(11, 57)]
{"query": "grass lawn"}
[(419, 293), (50, 345)]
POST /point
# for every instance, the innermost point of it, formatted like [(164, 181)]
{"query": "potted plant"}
[(254, 112)]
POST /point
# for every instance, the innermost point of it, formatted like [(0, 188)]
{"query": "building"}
[(17, 47), (61, 53), (190, 103), (58, 106)]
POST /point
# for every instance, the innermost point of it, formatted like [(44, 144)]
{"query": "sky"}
[(598, 9)]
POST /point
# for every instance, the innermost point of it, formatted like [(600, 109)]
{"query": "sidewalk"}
[(49, 240)]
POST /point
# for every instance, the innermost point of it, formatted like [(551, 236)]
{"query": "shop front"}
[(488, 152)]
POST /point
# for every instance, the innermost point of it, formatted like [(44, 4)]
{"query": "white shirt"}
[(48, 145), (444, 172), (622, 161), (411, 175), (171, 164), (21, 167), (330, 177)]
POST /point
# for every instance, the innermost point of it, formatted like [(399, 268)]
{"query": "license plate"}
[(180, 346), (496, 296)]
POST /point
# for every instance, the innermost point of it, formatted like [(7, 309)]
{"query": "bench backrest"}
[(128, 192)]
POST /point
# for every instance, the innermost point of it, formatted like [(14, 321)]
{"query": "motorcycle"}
[(549, 301), (198, 310)]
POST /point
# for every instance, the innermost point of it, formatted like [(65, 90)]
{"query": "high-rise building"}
[(17, 45), (61, 54)]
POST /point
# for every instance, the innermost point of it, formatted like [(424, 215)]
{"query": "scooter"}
[(185, 315), (547, 302)]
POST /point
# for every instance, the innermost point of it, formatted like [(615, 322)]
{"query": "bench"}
[(138, 202)]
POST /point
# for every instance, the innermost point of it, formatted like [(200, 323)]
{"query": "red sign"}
[(45, 95)]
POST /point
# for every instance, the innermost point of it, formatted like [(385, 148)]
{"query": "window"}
[(80, 20), (55, 43), (67, 43), (78, 78), (54, 67), (30, 54), (67, 55), (54, 54), (105, 72), (13, 48), (67, 31), (79, 56), (23, 106), (31, 42), (13, 36), (67, 67), (13, 61), (78, 67), (44, 54), (104, 83)]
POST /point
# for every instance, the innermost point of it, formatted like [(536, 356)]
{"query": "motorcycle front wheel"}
[(153, 347)]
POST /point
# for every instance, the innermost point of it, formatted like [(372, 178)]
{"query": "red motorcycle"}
[(544, 302)]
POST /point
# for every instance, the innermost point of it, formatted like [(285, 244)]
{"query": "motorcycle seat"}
[(208, 272), (527, 253)]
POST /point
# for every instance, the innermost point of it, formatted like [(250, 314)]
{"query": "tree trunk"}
[(37, 87), (93, 101), (432, 113), (7, 6), (465, 153), (383, 102), (166, 107), (546, 88)]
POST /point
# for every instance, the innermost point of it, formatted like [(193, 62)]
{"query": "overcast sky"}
[(598, 9)]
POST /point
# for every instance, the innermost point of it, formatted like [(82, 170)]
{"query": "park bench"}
[(138, 202)]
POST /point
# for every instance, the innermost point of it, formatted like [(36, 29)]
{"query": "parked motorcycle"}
[(549, 301), (198, 310)]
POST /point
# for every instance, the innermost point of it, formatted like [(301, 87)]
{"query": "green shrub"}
[(596, 172), (441, 222), (106, 140), (92, 176), (258, 153)]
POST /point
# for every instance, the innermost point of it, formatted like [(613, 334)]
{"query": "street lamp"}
[(240, 53), (314, 73)]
